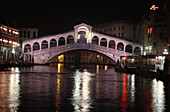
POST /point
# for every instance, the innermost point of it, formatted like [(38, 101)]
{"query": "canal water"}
[(80, 88)]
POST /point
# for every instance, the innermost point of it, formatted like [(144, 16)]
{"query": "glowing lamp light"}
[(0, 39), (14, 43), (165, 51), (13, 51), (10, 42), (147, 48), (18, 45), (5, 41), (5, 29)]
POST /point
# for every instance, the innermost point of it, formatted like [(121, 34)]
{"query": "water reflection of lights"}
[(158, 95), (132, 91), (14, 89), (58, 97), (124, 94), (81, 94), (97, 69)]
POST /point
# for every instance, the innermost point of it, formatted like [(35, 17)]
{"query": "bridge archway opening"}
[(36, 46), (70, 39), (82, 56), (53, 43), (44, 44), (27, 48), (112, 44), (103, 42), (137, 51), (61, 41), (128, 49), (82, 37), (120, 46), (95, 40)]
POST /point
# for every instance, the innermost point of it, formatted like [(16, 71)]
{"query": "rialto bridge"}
[(44, 49)]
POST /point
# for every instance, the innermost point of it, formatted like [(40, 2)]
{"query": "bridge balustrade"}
[(53, 51)]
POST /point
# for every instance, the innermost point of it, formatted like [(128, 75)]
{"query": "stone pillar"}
[(65, 41), (107, 44), (115, 46)]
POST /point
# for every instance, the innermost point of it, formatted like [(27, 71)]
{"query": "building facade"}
[(27, 33), (153, 30), (122, 28), (8, 44)]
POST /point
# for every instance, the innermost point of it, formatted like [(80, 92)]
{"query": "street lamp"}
[(165, 51)]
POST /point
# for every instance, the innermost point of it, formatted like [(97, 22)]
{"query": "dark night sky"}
[(58, 16)]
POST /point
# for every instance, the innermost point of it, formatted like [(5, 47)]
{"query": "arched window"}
[(95, 40), (70, 39), (103, 42), (128, 49), (61, 41), (53, 43), (27, 48), (82, 37), (36, 46), (112, 44), (137, 51), (120, 46), (44, 44)]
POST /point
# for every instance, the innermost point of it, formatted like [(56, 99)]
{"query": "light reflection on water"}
[(81, 93), (97, 88)]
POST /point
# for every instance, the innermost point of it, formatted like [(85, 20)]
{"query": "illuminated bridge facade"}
[(44, 49)]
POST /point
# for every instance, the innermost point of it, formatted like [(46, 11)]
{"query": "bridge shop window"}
[(95, 40), (120, 46), (27, 48), (70, 39), (103, 42), (112, 44), (53, 43), (44, 44), (128, 49), (36, 46), (61, 41)]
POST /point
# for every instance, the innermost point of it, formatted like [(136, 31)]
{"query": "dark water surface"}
[(89, 88)]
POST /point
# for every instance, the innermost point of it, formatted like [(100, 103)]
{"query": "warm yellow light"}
[(154, 7), (150, 30), (61, 58)]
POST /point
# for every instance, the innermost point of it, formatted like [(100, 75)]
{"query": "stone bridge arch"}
[(45, 55), (94, 51)]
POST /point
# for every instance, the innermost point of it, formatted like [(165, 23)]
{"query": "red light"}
[(126, 57)]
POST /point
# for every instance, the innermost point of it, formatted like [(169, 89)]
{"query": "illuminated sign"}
[(154, 7)]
